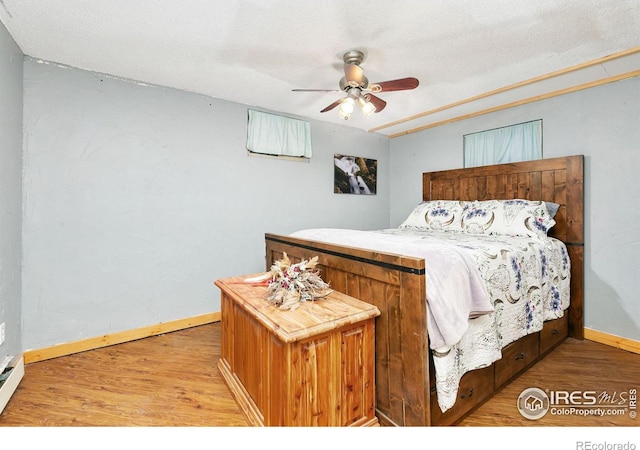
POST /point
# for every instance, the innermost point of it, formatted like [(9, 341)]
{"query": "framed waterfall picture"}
[(354, 175)]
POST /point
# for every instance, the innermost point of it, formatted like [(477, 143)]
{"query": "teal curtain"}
[(521, 142), (270, 134)]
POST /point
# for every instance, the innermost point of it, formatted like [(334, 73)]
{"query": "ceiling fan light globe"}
[(346, 107), (343, 115), (368, 108)]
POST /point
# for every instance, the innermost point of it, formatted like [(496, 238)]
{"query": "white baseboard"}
[(11, 383)]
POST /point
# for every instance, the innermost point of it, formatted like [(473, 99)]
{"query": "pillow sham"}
[(514, 217), (442, 215)]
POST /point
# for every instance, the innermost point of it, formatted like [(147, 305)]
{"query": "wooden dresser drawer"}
[(516, 357), (554, 332), (475, 386)]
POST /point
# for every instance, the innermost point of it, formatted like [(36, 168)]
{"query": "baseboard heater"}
[(15, 371)]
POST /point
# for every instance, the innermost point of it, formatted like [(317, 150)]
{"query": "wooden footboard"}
[(396, 285)]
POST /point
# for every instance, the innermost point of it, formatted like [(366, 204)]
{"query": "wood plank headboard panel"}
[(558, 180)]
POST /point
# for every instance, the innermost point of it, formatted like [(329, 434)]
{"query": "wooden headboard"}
[(558, 180)]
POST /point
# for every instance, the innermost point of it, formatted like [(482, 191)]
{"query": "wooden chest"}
[(313, 366)]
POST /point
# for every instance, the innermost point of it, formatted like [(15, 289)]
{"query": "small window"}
[(521, 142), (272, 135)]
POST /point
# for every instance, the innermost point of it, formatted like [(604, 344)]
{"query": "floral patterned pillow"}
[(514, 217), (442, 215)]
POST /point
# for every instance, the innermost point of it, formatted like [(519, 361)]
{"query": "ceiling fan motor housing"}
[(344, 84), (353, 73)]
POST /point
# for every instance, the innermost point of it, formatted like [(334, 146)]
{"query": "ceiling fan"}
[(359, 90)]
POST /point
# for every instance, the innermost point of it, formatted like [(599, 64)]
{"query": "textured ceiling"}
[(256, 51)]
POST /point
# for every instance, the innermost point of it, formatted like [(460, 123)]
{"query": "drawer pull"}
[(468, 394), (520, 356), (555, 331)]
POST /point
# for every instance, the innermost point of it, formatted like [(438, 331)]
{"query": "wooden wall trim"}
[(612, 340), (525, 101), (69, 348), (513, 86)]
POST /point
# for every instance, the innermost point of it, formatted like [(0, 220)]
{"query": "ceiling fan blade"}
[(331, 106), (353, 74), (376, 101), (315, 90), (401, 84)]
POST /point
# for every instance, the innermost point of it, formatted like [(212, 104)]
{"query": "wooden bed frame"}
[(405, 387)]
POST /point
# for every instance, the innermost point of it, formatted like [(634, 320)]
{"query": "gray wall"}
[(136, 198), (10, 192), (602, 123)]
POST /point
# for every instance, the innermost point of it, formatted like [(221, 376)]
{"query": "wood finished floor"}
[(172, 380)]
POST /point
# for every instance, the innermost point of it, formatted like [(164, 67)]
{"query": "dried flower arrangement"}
[(292, 284)]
